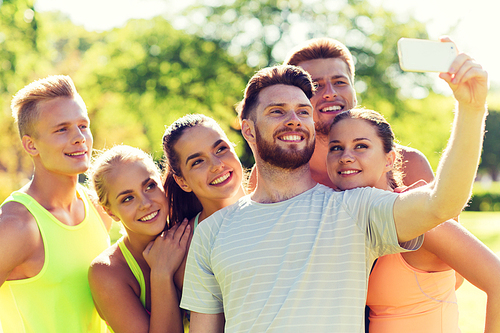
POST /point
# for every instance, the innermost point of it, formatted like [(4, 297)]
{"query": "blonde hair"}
[(105, 163), (24, 104)]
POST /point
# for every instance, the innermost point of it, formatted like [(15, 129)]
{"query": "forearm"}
[(492, 324), (166, 315), (458, 166)]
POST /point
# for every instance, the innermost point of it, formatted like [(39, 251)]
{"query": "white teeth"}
[(76, 154), (220, 179), (291, 138), (149, 217), (348, 172), (331, 108)]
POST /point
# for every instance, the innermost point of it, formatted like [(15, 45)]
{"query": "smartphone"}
[(421, 55)]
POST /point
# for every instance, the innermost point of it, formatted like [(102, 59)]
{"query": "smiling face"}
[(334, 90), (136, 197), (62, 141), (356, 156), (283, 130), (209, 165)]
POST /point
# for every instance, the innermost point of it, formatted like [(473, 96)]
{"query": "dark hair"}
[(321, 48), (266, 77), (384, 132), (182, 204)]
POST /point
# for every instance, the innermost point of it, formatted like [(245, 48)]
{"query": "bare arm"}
[(117, 295), (206, 323), (422, 209), (463, 252), (21, 245), (164, 256)]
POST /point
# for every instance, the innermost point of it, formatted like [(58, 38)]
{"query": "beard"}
[(290, 159), (322, 128)]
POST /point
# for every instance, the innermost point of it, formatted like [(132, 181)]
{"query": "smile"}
[(220, 179), (334, 108), (149, 217), (349, 172), (77, 154), (291, 137)]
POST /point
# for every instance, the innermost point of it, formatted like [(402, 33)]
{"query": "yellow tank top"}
[(57, 299)]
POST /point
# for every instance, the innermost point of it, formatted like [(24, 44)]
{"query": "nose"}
[(79, 136), (329, 92), (346, 157), (216, 164), (145, 202), (293, 120)]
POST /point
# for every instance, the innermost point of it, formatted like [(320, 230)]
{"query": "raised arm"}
[(422, 209)]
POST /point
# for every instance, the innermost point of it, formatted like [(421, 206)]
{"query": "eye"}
[(317, 85), (335, 148), (61, 130), (128, 198), (276, 111), (196, 162), (361, 146), (221, 149), (304, 112), (84, 126), (151, 186)]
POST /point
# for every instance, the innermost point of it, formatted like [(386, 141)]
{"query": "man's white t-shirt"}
[(300, 265)]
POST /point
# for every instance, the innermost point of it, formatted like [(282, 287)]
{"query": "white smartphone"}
[(421, 55)]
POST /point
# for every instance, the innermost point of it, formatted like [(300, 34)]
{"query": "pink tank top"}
[(403, 299)]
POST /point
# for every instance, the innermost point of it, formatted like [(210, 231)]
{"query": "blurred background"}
[(141, 64)]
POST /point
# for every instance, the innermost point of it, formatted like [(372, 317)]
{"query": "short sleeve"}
[(201, 292)]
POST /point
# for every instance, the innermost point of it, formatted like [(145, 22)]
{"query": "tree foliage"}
[(139, 78)]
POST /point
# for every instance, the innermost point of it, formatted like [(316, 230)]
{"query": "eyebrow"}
[(66, 123), (340, 76), (144, 182), (195, 155), (355, 140), (302, 105)]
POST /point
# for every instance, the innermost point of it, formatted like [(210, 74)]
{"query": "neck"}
[(52, 190), (317, 163), (136, 244), (275, 184), (211, 206)]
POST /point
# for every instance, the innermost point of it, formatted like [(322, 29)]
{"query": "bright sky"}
[(472, 24)]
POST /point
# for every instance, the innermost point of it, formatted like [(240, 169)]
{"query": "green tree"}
[(142, 77), (261, 33), (490, 158)]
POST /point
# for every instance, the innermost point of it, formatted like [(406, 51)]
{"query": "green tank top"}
[(136, 270), (58, 299)]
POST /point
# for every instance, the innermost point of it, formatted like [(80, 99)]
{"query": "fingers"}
[(463, 69)]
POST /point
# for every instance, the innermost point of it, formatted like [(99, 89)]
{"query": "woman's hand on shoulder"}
[(166, 253)]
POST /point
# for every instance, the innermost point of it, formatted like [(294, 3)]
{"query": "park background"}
[(195, 56)]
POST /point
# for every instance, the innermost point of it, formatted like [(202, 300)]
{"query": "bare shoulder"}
[(17, 224), (415, 166), (108, 263), (20, 240), (109, 273)]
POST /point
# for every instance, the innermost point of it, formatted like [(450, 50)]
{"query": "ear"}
[(182, 183), (390, 159), (29, 145), (113, 216), (248, 130)]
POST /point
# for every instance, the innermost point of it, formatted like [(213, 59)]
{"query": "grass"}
[(472, 301)]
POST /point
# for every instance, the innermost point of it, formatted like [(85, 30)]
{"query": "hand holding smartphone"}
[(420, 55)]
